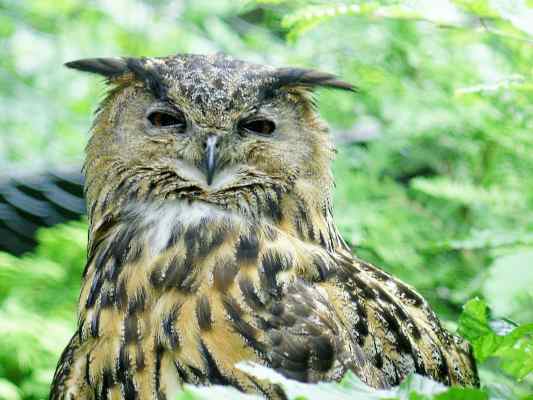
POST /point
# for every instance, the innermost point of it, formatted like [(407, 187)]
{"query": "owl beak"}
[(210, 157)]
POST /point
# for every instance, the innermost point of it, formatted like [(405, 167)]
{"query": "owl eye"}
[(162, 119), (259, 126)]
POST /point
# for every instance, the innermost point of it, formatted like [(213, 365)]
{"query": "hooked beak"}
[(210, 157)]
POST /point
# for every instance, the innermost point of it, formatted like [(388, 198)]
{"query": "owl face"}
[(209, 126)]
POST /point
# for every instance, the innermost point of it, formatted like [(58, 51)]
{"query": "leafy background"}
[(434, 170)]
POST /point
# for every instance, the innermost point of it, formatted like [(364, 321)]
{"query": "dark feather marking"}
[(123, 187), (258, 201), (247, 248), (137, 302), (361, 328), (401, 314), (201, 239), (322, 267), (301, 219), (123, 364), (420, 367), (274, 208), (193, 235), (88, 368), (216, 239), (365, 290), (406, 319), (249, 293), (404, 345), (139, 357), (156, 276), (79, 332), (181, 372), (112, 270), (190, 284), (130, 393), (294, 352), (179, 273), (203, 313), (270, 233), (95, 324), (214, 375), (409, 294), (123, 251), (384, 295), (324, 353), (175, 235), (247, 331), (121, 296), (93, 208), (444, 371), (96, 285), (224, 274), (131, 329), (322, 241), (391, 320), (272, 263), (100, 235), (168, 326), (381, 275), (151, 187), (378, 360), (104, 204), (107, 383), (200, 375), (107, 298), (157, 370), (414, 331), (286, 321)]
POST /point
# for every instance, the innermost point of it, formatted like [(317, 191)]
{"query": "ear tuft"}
[(310, 78), (107, 67)]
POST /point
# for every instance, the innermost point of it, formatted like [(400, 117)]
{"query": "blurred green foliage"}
[(434, 171)]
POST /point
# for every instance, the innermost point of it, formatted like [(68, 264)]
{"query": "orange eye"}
[(258, 126), (161, 119)]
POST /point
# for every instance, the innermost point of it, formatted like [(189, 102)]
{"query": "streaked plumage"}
[(184, 279)]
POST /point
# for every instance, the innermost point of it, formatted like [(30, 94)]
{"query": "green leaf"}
[(513, 346), (481, 8), (457, 393)]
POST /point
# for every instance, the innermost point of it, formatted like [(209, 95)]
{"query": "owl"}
[(212, 242)]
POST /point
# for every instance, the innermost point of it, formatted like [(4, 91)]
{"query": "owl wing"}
[(395, 328), (301, 335), (361, 319)]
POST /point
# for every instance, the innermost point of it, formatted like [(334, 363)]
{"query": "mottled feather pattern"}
[(220, 281), (186, 279)]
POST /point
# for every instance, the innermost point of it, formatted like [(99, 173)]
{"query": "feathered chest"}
[(191, 282), (181, 293), (184, 247)]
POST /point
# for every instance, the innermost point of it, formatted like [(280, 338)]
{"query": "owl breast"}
[(180, 293)]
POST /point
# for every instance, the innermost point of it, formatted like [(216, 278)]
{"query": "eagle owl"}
[(212, 242)]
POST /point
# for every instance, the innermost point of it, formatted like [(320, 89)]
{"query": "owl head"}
[(205, 128)]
